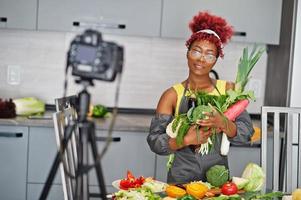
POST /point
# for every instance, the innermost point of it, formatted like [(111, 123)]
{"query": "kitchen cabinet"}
[(240, 157), (18, 14), (130, 153), (129, 17), (13, 162), (34, 192), (161, 169), (253, 21), (41, 153)]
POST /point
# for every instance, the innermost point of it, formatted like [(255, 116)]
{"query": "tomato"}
[(139, 181), (229, 188), (124, 184)]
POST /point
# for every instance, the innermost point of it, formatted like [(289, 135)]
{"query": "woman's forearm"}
[(173, 144), (229, 128)]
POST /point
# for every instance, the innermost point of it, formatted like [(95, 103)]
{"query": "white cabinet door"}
[(130, 153), (42, 151), (253, 21), (130, 17), (161, 169), (18, 14), (13, 162)]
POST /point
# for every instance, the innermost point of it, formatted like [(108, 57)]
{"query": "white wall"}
[(295, 98), (151, 66)]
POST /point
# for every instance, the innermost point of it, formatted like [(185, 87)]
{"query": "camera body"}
[(92, 58)]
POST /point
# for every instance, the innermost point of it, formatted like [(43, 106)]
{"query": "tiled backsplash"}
[(151, 66)]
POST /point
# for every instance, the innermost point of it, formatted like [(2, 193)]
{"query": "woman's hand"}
[(196, 137), (214, 120), (219, 122)]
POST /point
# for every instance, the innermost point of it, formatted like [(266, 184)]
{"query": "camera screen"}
[(86, 53)]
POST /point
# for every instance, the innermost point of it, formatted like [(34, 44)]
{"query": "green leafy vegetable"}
[(29, 106), (198, 112), (240, 182), (187, 197), (99, 111), (141, 193), (178, 128), (259, 196), (246, 64), (217, 175), (256, 177), (185, 125)]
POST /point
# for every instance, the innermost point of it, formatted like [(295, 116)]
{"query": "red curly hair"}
[(205, 20)]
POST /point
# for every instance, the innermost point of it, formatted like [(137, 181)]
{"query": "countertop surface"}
[(124, 122)]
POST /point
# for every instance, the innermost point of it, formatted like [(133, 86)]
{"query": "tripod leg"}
[(99, 174), (50, 177), (82, 187), (85, 140)]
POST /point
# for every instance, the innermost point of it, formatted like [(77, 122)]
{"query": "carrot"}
[(236, 109), (231, 113)]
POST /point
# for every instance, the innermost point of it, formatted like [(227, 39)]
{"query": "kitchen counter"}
[(124, 122)]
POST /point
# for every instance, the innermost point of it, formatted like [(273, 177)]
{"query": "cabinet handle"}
[(102, 139), (11, 135), (238, 33), (3, 19), (76, 23), (99, 25)]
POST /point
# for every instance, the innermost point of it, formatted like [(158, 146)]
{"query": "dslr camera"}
[(92, 58)]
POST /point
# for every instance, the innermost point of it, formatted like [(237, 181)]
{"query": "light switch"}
[(13, 74)]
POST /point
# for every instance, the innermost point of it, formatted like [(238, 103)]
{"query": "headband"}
[(209, 31)]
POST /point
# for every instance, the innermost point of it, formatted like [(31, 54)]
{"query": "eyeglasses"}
[(210, 58)]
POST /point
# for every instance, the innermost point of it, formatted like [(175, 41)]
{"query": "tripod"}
[(86, 138)]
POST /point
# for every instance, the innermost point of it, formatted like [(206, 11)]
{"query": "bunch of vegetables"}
[(250, 184), (230, 105)]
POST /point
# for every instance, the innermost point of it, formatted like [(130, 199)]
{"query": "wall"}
[(151, 66), (295, 94), (278, 66)]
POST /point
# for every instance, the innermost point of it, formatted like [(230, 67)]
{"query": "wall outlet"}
[(13, 74)]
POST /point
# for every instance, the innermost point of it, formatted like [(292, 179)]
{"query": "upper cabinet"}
[(253, 20), (128, 17), (18, 14)]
